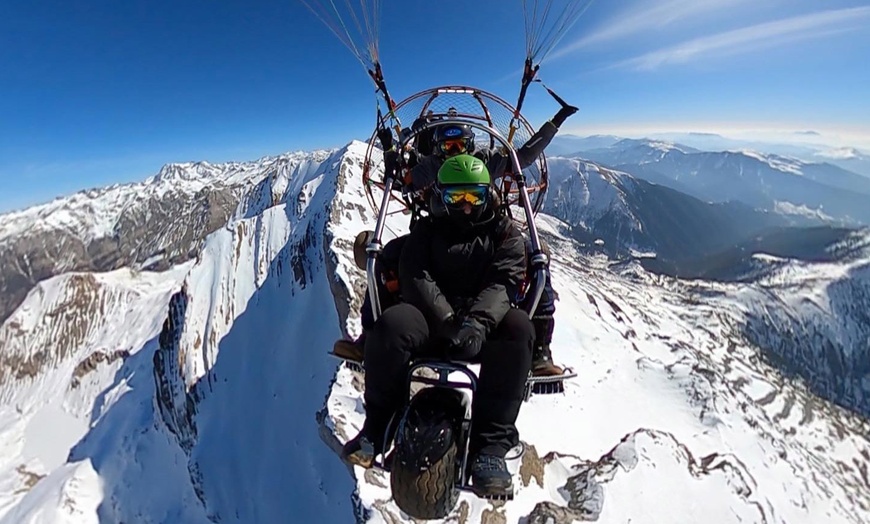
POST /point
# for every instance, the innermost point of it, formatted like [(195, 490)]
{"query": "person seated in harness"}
[(459, 275), (451, 140)]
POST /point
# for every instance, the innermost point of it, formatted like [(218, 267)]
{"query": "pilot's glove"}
[(467, 340), (563, 115)]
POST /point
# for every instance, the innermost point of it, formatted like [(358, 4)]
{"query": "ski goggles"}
[(474, 195), (453, 146)]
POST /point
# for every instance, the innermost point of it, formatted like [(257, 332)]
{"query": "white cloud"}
[(755, 37), (841, 153), (639, 19)]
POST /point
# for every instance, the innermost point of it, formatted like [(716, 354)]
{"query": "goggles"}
[(453, 146), (474, 195)]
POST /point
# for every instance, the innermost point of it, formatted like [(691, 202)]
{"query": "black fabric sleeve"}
[(499, 163), (535, 145), (416, 283), (502, 279)]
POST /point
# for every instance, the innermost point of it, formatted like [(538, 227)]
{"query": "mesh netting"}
[(458, 103)]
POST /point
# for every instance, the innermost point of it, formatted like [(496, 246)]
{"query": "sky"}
[(107, 92)]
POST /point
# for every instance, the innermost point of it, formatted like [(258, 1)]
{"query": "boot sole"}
[(497, 490)]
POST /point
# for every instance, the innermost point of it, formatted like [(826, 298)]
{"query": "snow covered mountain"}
[(790, 187), (154, 224), (848, 158), (628, 216), (204, 393)]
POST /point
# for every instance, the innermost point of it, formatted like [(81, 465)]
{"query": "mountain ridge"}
[(151, 224), (761, 181)]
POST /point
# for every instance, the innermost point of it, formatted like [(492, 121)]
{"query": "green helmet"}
[(463, 170)]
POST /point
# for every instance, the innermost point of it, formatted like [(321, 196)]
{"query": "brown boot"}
[(542, 363), (350, 349)]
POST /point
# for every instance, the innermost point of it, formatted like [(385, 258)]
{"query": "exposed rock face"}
[(24, 355)]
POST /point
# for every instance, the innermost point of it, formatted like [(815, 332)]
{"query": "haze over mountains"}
[(192, 383), (849, 158)]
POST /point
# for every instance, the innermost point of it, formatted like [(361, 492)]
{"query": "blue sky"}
[(109, 91)]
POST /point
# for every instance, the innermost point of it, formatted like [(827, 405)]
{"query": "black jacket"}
[(474, 271)]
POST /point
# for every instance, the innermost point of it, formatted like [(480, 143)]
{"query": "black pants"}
[(401, 332)]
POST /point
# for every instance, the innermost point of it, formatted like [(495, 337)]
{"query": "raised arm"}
[(535, 145)]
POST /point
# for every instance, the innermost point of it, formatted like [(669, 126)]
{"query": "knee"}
[(517, 326), (401, 318), (400, 328)]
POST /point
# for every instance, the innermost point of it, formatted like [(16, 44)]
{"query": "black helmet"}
[(454, 139)]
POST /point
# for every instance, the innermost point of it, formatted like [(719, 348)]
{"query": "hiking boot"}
[(490, 476), (359, 451), (350, 349), (542, 363)]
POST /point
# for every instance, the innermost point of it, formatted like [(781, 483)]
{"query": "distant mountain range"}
[(807, 193), (674, 233), (848, 158), (758, 255), (633, 217), (683, 211), (570, 145)]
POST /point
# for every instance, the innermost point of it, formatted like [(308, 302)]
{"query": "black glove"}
[(391, 163), (462, 338), (419, 124), (447, 332), (563, 115)]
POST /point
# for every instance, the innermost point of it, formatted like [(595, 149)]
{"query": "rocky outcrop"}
[(69, 315)]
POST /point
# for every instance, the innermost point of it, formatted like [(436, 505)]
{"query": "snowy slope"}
[(244, 370), (74, 355), (125, 464), (813, 319), (234, 411), (95, 213)]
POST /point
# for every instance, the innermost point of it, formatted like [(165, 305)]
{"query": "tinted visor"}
[(453, 146), (474, 195)]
